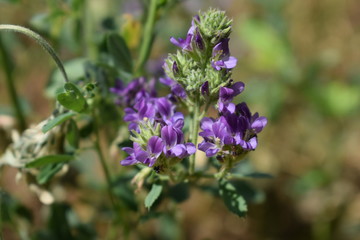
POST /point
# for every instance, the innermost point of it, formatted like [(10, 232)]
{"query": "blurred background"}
[(300, 62)]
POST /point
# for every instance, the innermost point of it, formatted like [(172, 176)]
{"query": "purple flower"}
[(256, 123), (216, 134), (135, 90), (143, 109), (164, 107), (221, 55), (227, 94), (235, 132), (192, 35), (185, 44), (176, 88), (174, 143), (138, 155)]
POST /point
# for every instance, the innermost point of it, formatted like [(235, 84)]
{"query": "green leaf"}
[(39, 162), (72, 98), (120, 52), (153, 195), (48, 171), (73, 134), (57, 121), (232, 199)]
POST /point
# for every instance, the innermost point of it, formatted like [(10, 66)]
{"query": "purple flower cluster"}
[(160, 113), (235, 131), (221, 58), (193, 38), (135, 90)]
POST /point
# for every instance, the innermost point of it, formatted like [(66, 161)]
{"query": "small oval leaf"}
[(72, 98), (153, 195)]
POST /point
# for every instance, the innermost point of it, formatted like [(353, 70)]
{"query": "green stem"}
[(147, 38), (103, 163), (194, 135), (38, 39), (10, 86)]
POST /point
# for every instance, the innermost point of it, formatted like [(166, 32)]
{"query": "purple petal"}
[(238, 88), (164, 107), (128, 150), (222, 48), (169, 136), (259, 124), (205, 89), (167, 81), (128, 161), (190, 148), (226, 94), (206, 123), (155, 145), (141, 155), (177, 120), (243, 110), (209, 148), (230, 63), (178, 151), (178, 90)]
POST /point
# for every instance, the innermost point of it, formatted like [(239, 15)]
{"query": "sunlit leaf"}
[(232, 199)]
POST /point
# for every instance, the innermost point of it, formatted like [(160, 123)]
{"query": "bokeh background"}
[(300, 61)]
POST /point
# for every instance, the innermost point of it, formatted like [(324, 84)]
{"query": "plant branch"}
[(43, 43), (147, 38), (194, 133)]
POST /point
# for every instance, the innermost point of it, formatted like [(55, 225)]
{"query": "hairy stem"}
[(147, 38), (194, 133), (11, 87), (43, 43)]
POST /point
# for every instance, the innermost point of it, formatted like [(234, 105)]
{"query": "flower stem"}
[(194, 136), (147, 38), (43, 43), (103, 163), (10, 86)]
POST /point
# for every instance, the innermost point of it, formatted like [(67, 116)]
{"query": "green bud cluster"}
[(147, 130), (214, 25), (191, 67)]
